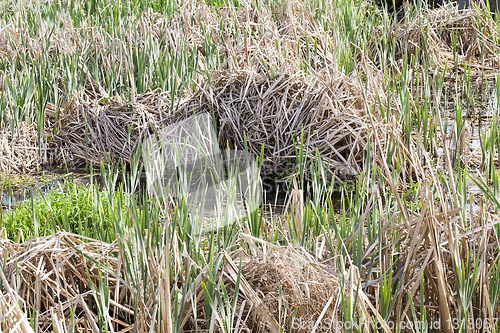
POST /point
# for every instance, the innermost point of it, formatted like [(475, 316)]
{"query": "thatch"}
[(94, 133), (54, 276), (247, 106), (19, 150), (431, 35)]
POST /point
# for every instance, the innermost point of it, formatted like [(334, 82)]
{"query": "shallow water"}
[(23, 188), (474, 128)]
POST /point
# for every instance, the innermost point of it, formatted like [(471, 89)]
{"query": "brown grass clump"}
[(273, 112), (19, 150), (61, 277), (55, 276), (247, 106), (309, 290), (431, 35), (94, 133)]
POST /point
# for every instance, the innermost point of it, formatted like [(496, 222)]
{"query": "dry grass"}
[(262, 88), (94, 133), (248, 106), (55, 276), (455, 41), (309, 289), (19, 150), (246, 99), (270, 90), (273, 112)]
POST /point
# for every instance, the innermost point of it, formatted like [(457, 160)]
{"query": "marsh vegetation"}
[(380, 137)]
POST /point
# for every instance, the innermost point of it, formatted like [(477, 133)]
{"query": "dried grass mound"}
[(64, 278), (308, 287), (432, 33), (290, 289), (94, 133), (55, 278), (269, 112), (284, 289), (19, 150), (273, 113)]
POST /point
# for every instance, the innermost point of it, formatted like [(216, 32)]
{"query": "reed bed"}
[(249, 39), (445, 41), (74, 282), (319, 92), (284, 50), (19, 150)]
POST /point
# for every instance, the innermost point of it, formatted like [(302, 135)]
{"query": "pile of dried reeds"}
[(250, 107), (12, 319), (65, 277), (56, 276), (19, 149), (309, 289), (272, 113), (456, 41), (94, 133)]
